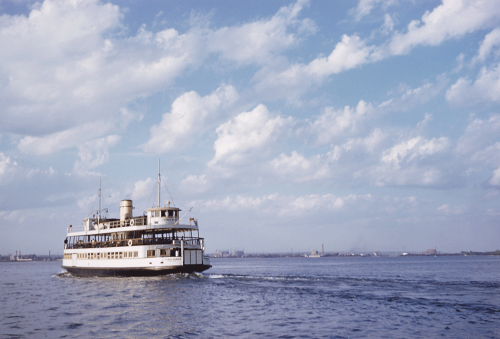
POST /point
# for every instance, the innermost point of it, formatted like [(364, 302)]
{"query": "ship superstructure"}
[(161, 241)]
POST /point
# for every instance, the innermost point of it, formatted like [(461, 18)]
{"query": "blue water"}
[(417, 297)]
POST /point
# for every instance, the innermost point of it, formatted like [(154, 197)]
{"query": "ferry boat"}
[(158, 242)]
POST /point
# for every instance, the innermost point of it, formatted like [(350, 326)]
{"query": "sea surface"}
[(358, 297)]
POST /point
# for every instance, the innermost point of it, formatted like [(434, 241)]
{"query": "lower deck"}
[(133, 272), (134, 261)]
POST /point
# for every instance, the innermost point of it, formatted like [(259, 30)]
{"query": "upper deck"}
[(164, 218)]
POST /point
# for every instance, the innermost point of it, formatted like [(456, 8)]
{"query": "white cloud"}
[(479, 146), (240, 203), (451, 19), (479, 135), (248, 134), (94, 154), (349, 130), (447, 209), (260, 41), (334, 123), (366, 6), (190, 116), (313, 205), (342, 161), (412, 149), (34, 171), (142, 189), (64, 65), (195, 183), (7, 168), (413, 162), (388, 25), (485, 89), (489, 155), (412, 97), (17, 217), (491, 41), (349, 53), (40, 57), (75, 136), (84, 202), (297, 168), (495, 179), (372, 141)]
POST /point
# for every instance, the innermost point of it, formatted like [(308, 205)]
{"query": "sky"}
[(363, 126)]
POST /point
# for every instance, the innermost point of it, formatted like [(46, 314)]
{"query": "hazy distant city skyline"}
[(370, 125)]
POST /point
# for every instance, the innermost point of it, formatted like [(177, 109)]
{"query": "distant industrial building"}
[(229, 254), (237, 253), (431, 251)]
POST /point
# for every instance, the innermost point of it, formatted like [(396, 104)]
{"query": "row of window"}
[(164, 253), (120, 255), (108, 255), (163, 214)]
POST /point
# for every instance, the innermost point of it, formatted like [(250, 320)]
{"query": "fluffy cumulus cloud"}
[(7, 167), (298, 168), (261, 41), (488, 46), (451, 19), (480, 147), (75, 136), (190, 117), (495, 178), (195, 183), (239, 203), (142, 189), (412, 97), (94, 153), (414, 162), (299, 102), (447, 209), (70, 63), (249, 134), (313, 205), (349, 129), (63, 70), (365, 7), (485, 89), (479, 135), (335, 123), (349, 53)]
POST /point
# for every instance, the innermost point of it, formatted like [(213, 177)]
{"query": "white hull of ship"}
[(191, 261)]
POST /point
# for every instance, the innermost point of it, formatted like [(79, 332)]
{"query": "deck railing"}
[(138, 241), (137, 221)]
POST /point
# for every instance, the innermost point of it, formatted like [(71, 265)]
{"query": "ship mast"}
[(99, 213), (159, 181)]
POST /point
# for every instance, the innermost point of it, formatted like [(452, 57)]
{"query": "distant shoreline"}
[(34, 258), (351, 255)]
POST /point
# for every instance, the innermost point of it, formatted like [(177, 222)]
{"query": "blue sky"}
[(363, 126)]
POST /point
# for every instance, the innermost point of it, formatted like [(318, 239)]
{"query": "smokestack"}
[(322, 250)]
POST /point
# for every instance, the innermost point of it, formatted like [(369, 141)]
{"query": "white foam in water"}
[(216, 276)]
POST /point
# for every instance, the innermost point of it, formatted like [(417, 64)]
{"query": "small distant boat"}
[(156, 243), (314, 254)]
